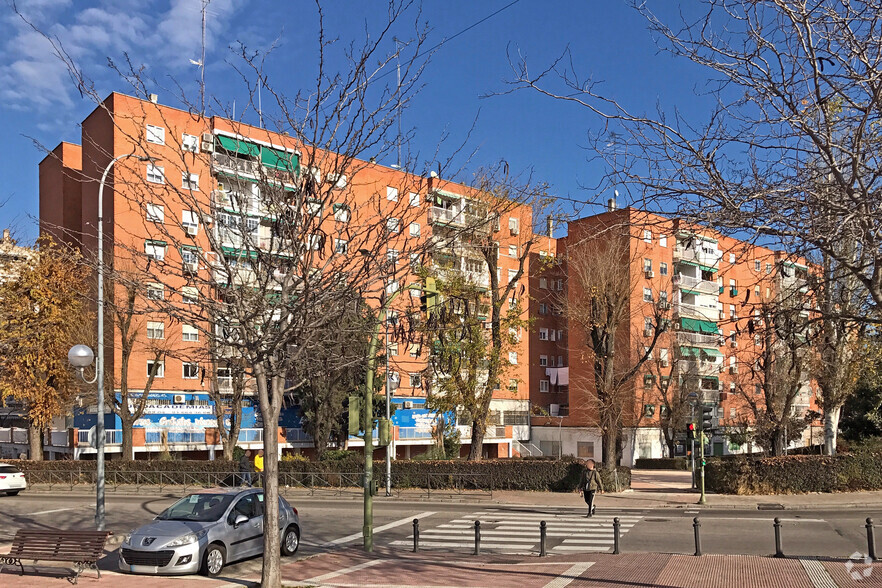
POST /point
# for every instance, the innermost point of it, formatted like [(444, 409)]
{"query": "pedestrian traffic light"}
[(384, 434), (429, 297), (354, 415), (707, 418), (690, 432)]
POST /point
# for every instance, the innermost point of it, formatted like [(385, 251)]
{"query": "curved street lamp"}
[(81, 356)]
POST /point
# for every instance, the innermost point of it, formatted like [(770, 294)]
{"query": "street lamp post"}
[(80, 356)]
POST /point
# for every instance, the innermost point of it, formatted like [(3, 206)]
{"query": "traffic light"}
[(707, 417), (384, 434), (690, 432), (429, 297), (354, 415)]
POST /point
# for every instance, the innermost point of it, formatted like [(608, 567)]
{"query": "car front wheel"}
[(214, 559), (291, 541)]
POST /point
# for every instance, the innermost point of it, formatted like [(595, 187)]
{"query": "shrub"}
[(663, 463), (795, 474)]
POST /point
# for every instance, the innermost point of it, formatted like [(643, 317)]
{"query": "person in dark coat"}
[(590, 485), (246, 467)]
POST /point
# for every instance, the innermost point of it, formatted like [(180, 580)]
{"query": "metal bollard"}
[(696, 525), (779, 552), (871, 540), (477, 537), (616, 536), (542, 530), (416, 535)]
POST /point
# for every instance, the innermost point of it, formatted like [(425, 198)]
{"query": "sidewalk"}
[(394, 569)]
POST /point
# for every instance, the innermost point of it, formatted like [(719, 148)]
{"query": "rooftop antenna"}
[(201, 62), (259, 104), (398, 96)]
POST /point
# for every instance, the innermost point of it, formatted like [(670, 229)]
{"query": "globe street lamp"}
[(81, 356)]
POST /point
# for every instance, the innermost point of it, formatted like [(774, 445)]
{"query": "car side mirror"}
[(240, 518)]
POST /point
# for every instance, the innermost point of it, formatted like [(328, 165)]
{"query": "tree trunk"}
[(831, 429), (272, 574), (128, 444), (476, 449), (232, 437), (35, 443), (778, 442), (608, 438)]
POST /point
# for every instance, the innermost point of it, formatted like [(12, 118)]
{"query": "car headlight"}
[(127, 538), (186, 539)]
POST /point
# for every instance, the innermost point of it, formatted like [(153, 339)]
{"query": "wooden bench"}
[(81, 548)]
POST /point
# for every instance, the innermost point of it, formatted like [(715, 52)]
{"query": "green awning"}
[(697, 326), (238, 253), (706, 268), (711, 352), (281, 160), (236, 146), (713, 379)]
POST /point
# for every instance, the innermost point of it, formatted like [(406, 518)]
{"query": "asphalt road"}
[(332, 523)]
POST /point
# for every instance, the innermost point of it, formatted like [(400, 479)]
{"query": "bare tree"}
[(603, 307), (671, 393)]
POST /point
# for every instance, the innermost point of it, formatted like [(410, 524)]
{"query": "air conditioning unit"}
[(664, 305), (206, 219), (192, 230), (207, 144), (191, 267), (649, 274), (408, 404), (179, 399), (664, 362)]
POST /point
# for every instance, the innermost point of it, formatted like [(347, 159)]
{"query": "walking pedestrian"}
[(590, 485), (246, 467), (258, 467)]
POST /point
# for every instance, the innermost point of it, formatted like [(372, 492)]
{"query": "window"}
[(414, 229), (647, 295), (155, 330), (647, 265), (189, 256), (414, 199), (313, 207), (189, 295), (757, 389), (543, 283), (513, 357), (663, 296), (543, 334), (155, 250), (415, 381), (732, 413), (560, 362), (414, 350), (647, 326), (391, 194), (341, 213), (155, 213), (190, 181), (513, 251), (542, 308), (663, 268), (551, 361), (512, 275), (543, 360), (647, 236), (757, 340), (155, 134), (155, 174), (189, 220), (662, 240), (732, 258), (392, 256), (647, 352), (155, 291), (543, 385), (314, 242), (732, 284), (190, 143), (339, 180), (732, 314), (560, 285), (392, 349), (768, 268), (157, 367), (513, 225), (189, 333), (191, 371), (663, 356), (341, 246), (757, 265), (560, 335), (513, 385), (392, 287), (551, 334), (392, 225)]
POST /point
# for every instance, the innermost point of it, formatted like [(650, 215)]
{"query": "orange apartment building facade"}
[(208, 159), (708, 287)]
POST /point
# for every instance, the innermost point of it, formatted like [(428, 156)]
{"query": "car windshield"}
[(197, 507)]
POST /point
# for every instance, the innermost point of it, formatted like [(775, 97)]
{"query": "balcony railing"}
[(224, 162), (297, 435), (446, 215), (696, 254), (154, 437), (413, 433), (702, 339), (704, 368), (493, 432), (250, 435), (696, 284), (703, 313)]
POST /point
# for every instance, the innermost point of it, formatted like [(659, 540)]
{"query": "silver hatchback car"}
[(204, 531)]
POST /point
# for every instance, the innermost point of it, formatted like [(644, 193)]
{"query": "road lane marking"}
[(42, 512), (817, 573), (574, 573), (341, 572), (392, 525)]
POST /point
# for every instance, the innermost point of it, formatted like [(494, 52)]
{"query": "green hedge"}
[(662, 463), (500, 474), (795, 474)]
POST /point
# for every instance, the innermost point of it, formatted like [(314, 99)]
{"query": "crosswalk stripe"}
[(580, 548)]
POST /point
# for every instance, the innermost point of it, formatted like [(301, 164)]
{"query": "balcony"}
[(154, 437), (481, 223), (234, 165), (690, 367), (411, 433), (699, 339), (705, 256), (696, 284), (702, 313), (479, 279)]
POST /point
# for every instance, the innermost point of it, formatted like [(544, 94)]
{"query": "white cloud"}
[(162, 36)]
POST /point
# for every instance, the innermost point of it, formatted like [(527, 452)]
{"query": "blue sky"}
[(610, 43)]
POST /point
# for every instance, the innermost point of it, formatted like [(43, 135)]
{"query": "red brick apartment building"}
[(207, 159), (706, 285)]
